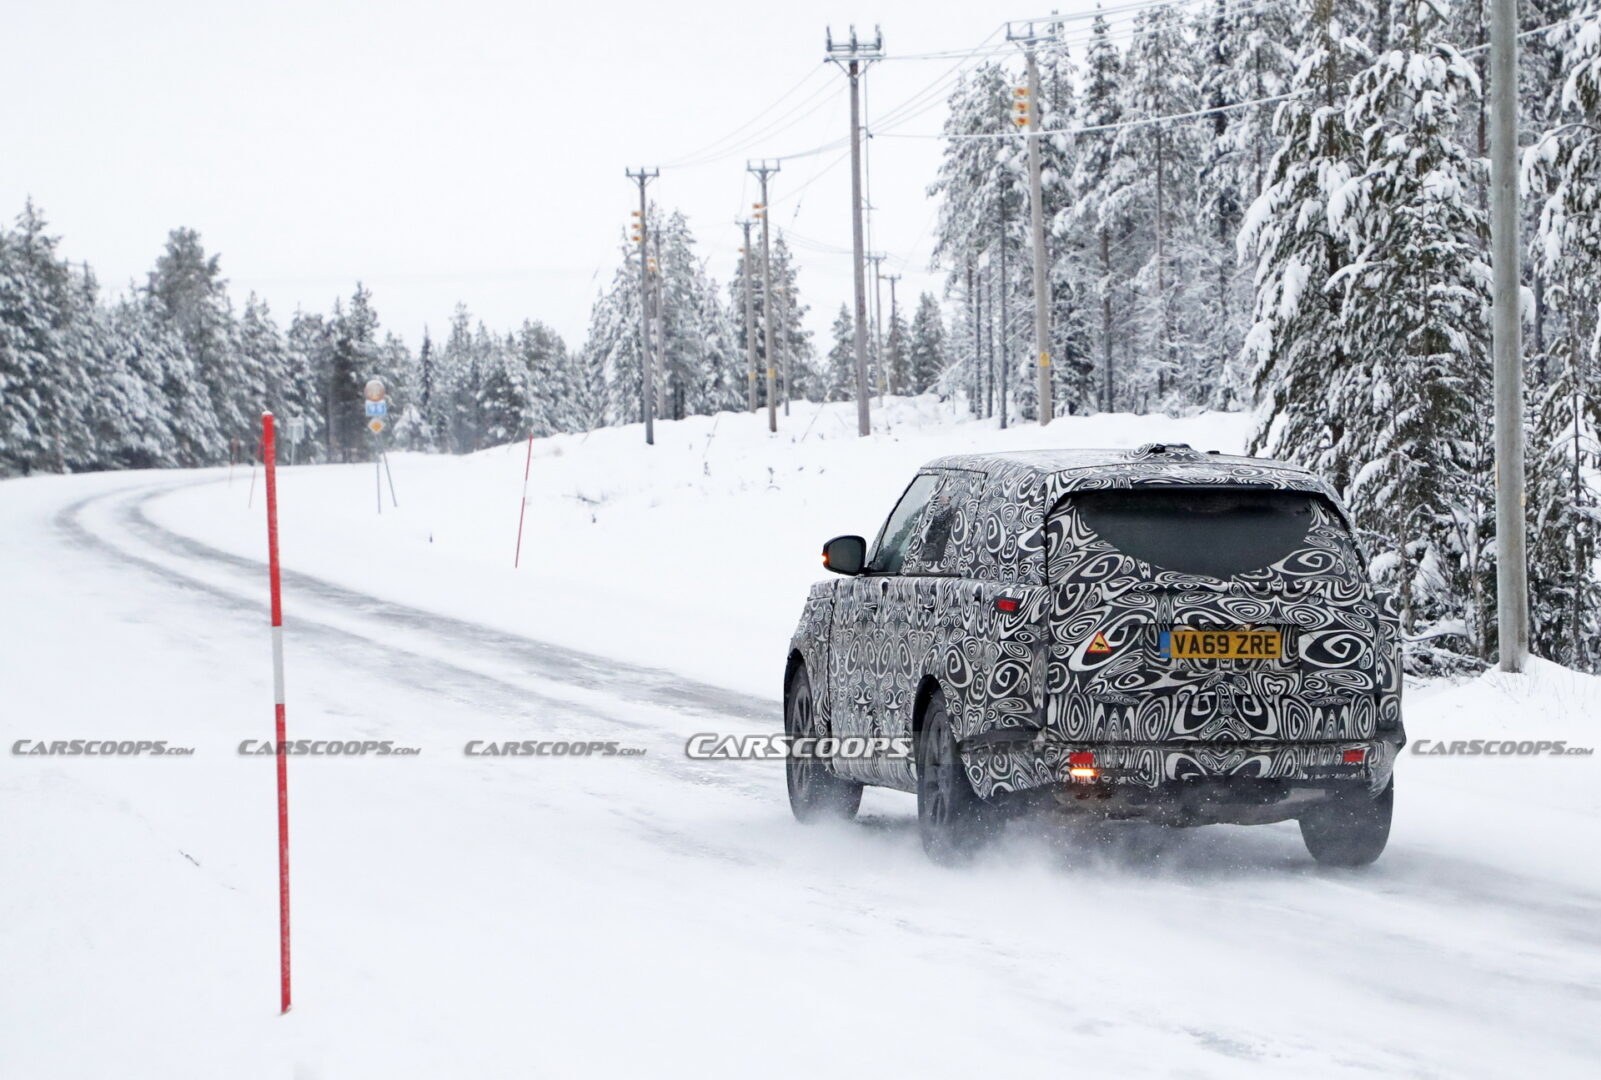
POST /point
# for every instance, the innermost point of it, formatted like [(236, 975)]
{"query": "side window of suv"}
[(947, 526), (890, 552)]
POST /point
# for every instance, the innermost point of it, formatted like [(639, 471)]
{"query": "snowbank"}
[(693, 555)]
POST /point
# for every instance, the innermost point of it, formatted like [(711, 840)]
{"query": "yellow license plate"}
[(1223, 644)]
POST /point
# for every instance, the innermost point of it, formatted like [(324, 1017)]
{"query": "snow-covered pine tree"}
[(1246, 61), (43, 385), (356, 357), (457, 391), (927, 354), (415, 429), (1296, 347), (187, 290), (309, 351), (795, 341), (133, 418), (982, 188), (1096, 222), (614, 344), (265, 361), (1565, 451), (897, 346), (505, 404), (1157, 163), (551, 392), (842, 358), (1416, 333)]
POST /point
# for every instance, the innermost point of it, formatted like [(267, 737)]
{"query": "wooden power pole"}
[(745, 254), (763, 171), (641, 234), (1029, 109), (854, 56)]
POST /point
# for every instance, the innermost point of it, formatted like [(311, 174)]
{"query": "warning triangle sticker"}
[(1099, 644)]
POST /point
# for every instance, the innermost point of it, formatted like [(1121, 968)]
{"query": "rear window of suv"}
[(1215, 532)]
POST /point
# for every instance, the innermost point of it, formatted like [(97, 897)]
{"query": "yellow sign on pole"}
[(375, 425)]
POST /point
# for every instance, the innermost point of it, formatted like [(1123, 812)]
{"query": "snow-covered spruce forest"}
[(1308, 238)]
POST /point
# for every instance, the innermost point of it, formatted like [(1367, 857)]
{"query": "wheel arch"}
[(794, 663), (925, 691)]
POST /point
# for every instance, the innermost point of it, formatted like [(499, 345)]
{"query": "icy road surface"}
[(654, 916)]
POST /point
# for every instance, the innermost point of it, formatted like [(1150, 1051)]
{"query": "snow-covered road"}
[(650, 915)]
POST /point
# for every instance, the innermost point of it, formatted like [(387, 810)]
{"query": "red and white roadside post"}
[(269, 454), (522, 510)]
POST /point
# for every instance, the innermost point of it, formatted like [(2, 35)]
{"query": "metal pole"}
[(763, 171), (1512, 584), (648, 390), (390, 476), (855, 51), (750, 317), (1042, 307)]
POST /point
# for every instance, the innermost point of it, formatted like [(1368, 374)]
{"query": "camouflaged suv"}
[(1163, 634)]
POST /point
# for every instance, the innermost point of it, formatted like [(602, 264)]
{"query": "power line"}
[(1093, 129), (735, 133)]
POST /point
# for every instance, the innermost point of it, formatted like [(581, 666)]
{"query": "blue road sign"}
[(377, 408)]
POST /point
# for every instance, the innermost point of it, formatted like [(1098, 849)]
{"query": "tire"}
[(815, 793), (951, 819), (1351, 830)]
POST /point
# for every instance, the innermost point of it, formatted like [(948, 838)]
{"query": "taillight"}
[(1007, 604), (1081, 757), (1355, 757)]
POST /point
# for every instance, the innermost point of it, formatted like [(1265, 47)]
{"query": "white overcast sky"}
[(471, 150)]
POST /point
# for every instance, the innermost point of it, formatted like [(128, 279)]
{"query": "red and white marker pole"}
[(522, 510), (268, 453)]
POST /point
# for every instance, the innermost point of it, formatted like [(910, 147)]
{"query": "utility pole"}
[(763, 171), (750, 317), (1029, 109), (1512, 570), (898, 376), (658, 350), (878, 327), (641, 234), (1001, 305), (782, 305), (972, 306), (855, 56)]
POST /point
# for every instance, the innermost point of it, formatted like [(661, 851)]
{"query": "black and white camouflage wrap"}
[(1022, 689)]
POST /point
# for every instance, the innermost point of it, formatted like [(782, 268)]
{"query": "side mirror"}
[(845, 554)]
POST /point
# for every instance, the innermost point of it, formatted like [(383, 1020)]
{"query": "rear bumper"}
[(1003, 768)]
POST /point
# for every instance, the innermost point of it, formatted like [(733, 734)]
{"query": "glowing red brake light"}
[(1355, 757), (1081, 757), (1006, 604)]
